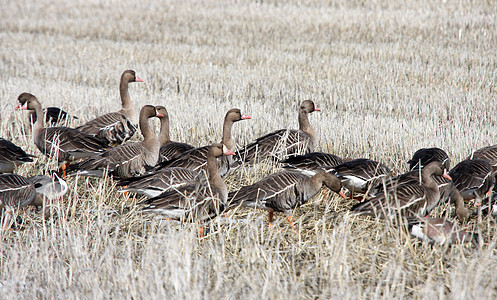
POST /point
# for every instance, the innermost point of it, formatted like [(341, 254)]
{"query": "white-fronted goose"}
[(424, 156), (283, 191), (445, 186), (195, 202), (311, 163), (116, 127), (53, 116), (439, 231), (15, 192), (411, 199), (284, 142), (152, 185), (360, 175), (474, 178), (195, 159), (128, 160), (12, 156), (63, 143), (169, 149)]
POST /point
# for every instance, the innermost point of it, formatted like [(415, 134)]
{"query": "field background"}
[(389, 76)]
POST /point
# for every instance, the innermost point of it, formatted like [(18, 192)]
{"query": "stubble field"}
[(389, 76)]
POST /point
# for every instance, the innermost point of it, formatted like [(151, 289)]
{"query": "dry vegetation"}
[(389, 76)]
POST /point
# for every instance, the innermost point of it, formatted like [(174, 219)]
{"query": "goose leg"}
[(63, 168), (289, 218), (270, 219), (6, 219)]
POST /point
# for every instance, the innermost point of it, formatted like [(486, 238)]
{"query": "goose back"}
[(309, 164), (16, 191)]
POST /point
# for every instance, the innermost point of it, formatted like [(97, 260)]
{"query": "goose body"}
[(359, 175), (15, 192), (152, 185), (410, 199), (63, 143), (488, 154), (11, 156), (283, 191), (128, 160), (284, 142), (196, 159), (196, 201), (311, 163), (116, 127), (424, 156), (473, 178)]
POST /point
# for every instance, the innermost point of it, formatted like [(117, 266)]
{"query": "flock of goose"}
[(184, 182)]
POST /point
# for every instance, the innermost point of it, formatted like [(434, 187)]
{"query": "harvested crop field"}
[(390, 77)]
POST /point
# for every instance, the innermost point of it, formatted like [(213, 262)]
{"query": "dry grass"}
[(389, 76)]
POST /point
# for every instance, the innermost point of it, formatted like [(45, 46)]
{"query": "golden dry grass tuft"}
[(389, 76)]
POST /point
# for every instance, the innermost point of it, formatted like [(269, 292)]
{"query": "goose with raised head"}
[(424, 156), (283, 191), (284, 142), (361, 175), (169, 149), (410, 199), (12, 156), (197, 201), (474, 178), (62, 143), (116, 127), (439, 231), (311, 163), (16, 191), (195, 159), (128, 160)]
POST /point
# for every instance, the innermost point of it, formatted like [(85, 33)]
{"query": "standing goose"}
[(15, 192), (283, 191), (128, 160), (424, 156), (197, 201), (169, 149), (195, 159), (473, 178), (439, 231), (11, 156), (281, 143), (311, 163), (116, 127), (360, 175), (63, 143), (411, 199)]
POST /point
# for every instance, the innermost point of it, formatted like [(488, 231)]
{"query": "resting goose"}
[(53, 116), (128, 160), (169, 149), (15, 192), (281, 143), (283, 191), (195, 159), (360, 175), (311, 163), (12, 156), (195, 202), (116, 127), (474, 178), (439, 231), (424, 156), (411, 199), (63, 143)]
